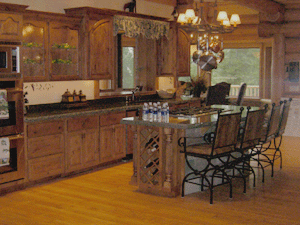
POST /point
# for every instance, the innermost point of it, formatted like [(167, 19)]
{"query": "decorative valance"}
[(133, 27)]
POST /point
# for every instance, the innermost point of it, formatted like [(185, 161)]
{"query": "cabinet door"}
[(166, 53), (91, 151), (74, 149), (102, 50), (63, 51), (183, 58), (11, 27), (119, 141), (107, 143), (35, 50), (129, 133), (42, 167)]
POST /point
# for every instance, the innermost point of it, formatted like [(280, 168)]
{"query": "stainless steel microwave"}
[(9, 57)]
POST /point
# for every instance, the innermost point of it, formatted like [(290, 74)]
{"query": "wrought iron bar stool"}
[(249, 138), (261, 153), (215, 154)]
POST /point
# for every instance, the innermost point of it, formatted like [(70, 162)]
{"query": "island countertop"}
[(202, 120)]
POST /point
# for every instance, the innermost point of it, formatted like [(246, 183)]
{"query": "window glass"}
[(128, 67), (239, 66), (193, 66)]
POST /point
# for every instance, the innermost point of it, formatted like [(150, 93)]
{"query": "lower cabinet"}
[(130, 133), (112, 137), (82, 147), (45, 149), (60, 147)]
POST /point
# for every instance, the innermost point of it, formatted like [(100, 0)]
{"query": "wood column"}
[(278, 67), (133, 180), (169, 158)]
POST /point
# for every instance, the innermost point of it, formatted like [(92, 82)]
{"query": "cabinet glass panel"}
[(33, 50), (63, 51)]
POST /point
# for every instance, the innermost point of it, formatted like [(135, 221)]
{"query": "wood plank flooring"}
[(105, 197)]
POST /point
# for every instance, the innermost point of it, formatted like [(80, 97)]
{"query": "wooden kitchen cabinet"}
[(63, 51), (45, 149), (112, 137), (50, 47), (11, 26), (35, 50), (183, 54), (130, 133), (101, 48), (166, 53), (82, 143)]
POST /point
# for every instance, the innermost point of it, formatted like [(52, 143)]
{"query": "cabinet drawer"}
[(46, 145), (45, 128), (45, 167), (82, 123), (111, 119)]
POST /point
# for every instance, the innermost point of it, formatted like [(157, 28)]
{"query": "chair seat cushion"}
[(206, 149)]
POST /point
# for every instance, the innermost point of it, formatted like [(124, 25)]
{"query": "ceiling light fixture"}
[(193, 20), (206, 34)]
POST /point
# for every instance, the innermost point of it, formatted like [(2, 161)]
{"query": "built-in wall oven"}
[(12, 160)]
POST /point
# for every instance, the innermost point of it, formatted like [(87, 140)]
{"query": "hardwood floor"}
[(105, 197)]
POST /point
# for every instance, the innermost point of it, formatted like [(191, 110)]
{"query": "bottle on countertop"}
[(145, 111), (167, 114), (159, 113), (150, 115), (82, 97), (155, 112), (163, 113), (67, 97), (75, 97)]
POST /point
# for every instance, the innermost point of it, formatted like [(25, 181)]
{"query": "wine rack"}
[(150, 149)]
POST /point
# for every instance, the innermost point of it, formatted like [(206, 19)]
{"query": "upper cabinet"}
[(10, 27), (183, 54), (11, 20), (98, 45), (50, 47), (35, 57), (166, 53), (101, 48), (63, 51)]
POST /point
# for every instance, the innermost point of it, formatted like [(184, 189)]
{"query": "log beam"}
[(262, 6), (269, 10)]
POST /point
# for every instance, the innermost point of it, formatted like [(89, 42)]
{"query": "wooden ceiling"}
[(266, 10)]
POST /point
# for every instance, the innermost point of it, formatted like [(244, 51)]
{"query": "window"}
[(240, 65), (128, 67), (126, 59)]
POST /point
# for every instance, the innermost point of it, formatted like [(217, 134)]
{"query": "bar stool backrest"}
[(226, 133), (273, 123), (284, 116), (216, 95), (241, 95), (252, 131)]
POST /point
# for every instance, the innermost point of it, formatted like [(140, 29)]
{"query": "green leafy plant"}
[(31, 44), (62, 61), (30, 61), (63, 46)]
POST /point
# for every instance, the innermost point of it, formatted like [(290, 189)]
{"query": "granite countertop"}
[(203, 120), (93, 107)]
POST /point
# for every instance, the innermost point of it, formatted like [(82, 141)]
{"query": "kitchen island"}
[(158, 164)]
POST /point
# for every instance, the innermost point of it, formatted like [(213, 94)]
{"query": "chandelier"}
[(207, 34)]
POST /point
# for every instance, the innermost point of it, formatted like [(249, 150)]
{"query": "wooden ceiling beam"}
[(262, 6)]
